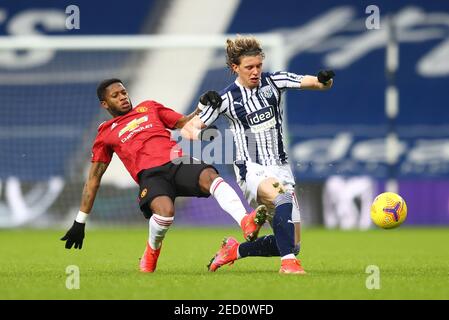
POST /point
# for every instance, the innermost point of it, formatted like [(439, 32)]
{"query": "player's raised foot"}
[(252, 223), (291, 266), (226, 255), (149, 259)]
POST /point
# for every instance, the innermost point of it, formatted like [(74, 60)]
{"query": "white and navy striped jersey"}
[(255, 117)]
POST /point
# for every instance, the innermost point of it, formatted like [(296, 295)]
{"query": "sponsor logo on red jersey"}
[(132, 125)]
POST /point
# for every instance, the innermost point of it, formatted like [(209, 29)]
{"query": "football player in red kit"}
[(140, 138)]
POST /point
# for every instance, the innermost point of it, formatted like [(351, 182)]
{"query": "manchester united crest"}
[(141, 109)]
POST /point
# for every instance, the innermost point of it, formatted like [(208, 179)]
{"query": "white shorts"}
[(249, 175)]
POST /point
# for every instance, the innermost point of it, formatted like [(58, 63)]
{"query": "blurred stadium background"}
[(339, 149)]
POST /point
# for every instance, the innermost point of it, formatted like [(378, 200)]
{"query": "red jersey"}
[(139, 138)]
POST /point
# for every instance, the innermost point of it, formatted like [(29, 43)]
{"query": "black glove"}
[(211, 98), (325, 75), (74, 236), (208, 133)]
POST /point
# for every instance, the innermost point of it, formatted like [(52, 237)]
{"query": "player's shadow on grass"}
[(205, 272)]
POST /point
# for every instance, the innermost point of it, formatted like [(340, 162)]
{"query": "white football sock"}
[(288, 256), (158, 228), (228, 199)]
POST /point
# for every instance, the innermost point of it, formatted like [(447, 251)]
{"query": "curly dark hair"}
[(241, 46)]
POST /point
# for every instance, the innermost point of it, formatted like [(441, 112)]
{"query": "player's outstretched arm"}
[(185, 119), (192, 129), (322, 81), (195, 128), (75, 234), (97, 169), (210, 98)]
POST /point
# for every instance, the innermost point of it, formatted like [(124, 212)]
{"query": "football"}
[(388, 210)]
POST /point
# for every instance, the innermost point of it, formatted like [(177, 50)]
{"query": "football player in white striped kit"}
[(252, 105)]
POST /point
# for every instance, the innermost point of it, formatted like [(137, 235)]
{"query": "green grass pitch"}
[(413, 264)]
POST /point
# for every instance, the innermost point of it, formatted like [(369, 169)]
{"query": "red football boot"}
[(149, 259), (226, 255), (252, 223)]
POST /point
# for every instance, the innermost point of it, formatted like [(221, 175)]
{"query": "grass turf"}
[(413, 264)]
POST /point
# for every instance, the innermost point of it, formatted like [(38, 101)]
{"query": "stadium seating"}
[(49, 110)]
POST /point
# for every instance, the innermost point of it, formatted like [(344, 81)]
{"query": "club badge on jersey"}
[(266, 91)]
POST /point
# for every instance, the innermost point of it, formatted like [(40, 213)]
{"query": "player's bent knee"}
[(207, 176), (269, 190), (163, 206), (278, 188)]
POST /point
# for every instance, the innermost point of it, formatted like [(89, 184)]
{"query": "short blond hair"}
[(242, 46)]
